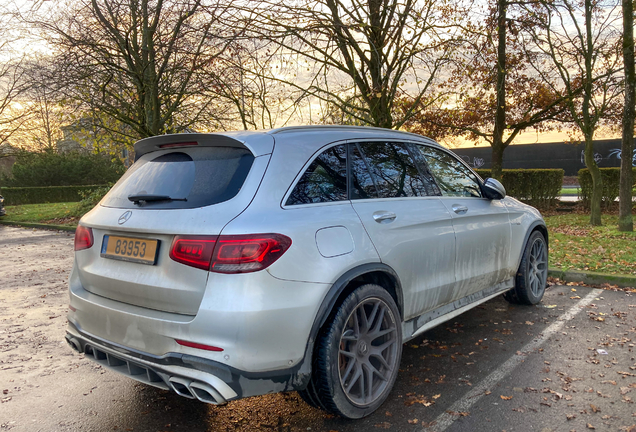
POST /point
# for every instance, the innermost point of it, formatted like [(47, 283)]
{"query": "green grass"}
[(575, 190), (55, 213), (575, 245), (570, 190)]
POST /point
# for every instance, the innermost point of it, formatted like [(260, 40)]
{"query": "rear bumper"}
[(189, 376), (262, 324)]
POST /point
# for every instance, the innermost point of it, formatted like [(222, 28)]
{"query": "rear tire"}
[(358, 355), (532, 275), (309, 397)]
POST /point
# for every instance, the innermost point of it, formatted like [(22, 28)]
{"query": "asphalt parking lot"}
[(566, 364)]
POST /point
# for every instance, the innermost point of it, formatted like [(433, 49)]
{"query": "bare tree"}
[(245, 77), (41, 106), (377, 50), (11, 87), (625, 219), (578, 56), (12, 82), (140, 63)]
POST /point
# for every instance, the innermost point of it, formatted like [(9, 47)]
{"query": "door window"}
[(388, 170), (453, 178), (325, 180)]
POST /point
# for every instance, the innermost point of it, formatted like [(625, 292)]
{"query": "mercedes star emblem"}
[(124, 218)]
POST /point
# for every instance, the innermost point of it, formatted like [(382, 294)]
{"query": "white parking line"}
[(445, 420)]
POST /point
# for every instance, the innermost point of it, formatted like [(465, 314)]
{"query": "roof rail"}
[(345, 127)]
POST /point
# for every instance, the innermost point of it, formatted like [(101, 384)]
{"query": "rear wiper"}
[(137, 199)]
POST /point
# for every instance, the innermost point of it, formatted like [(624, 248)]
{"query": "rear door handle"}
[(459, 209), (384, 216)]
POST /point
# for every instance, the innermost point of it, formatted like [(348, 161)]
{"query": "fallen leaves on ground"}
[(457, 413), (413, 399), (606, 286)]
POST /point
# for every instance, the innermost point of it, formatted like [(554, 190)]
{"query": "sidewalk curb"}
[(39, 225), (593, 278)]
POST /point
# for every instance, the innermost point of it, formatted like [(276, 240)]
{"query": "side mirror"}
[(493, 189)]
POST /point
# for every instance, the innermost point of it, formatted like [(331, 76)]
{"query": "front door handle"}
[(459, 209), (384, 216)]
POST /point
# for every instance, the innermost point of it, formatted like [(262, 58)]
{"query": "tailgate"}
[(162, 283)]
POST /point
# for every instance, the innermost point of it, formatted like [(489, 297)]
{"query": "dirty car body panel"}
[(261, 236)]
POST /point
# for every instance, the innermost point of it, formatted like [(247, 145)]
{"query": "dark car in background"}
[(2, 210)]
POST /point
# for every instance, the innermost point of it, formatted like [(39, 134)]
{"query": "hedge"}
[(540, 188), (62, 169), (611, 186), (45, 194)]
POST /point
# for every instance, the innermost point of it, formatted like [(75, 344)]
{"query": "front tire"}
[(532, 275), (358, 355)]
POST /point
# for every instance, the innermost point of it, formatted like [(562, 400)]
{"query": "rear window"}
[(190, 177)]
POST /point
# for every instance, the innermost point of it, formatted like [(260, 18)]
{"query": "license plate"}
[(143, 251)]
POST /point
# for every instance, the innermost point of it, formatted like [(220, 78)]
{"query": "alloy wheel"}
[(538, 266), (368, 351)]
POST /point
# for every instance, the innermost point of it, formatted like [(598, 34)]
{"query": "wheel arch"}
[(376, 273), (538, 225)]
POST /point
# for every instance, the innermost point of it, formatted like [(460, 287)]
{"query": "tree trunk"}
[(597, 181), (496, 169), (625, 219), (498, 146), (588, 124), (379, 107), (152, 106)]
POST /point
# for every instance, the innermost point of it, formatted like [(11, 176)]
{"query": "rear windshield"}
[(191, 178)]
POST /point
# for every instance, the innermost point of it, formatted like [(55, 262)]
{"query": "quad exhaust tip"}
[(73, 343), (207, 394), (196, 390), (180, 385)]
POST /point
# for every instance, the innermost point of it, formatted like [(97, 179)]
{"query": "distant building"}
[(83, 136), (78, 136), (6, 159), (569, 157)]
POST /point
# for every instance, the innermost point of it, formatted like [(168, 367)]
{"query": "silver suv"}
[(229, 265)]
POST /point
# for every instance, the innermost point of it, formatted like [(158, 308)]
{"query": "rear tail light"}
[(231, 253), (83, 238), (195, 251), (248, 253)]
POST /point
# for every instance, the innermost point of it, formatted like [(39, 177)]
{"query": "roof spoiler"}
[(161, 142)]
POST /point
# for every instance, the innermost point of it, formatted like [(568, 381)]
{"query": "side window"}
[(387, 170), (325, 180), (453, 178)]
